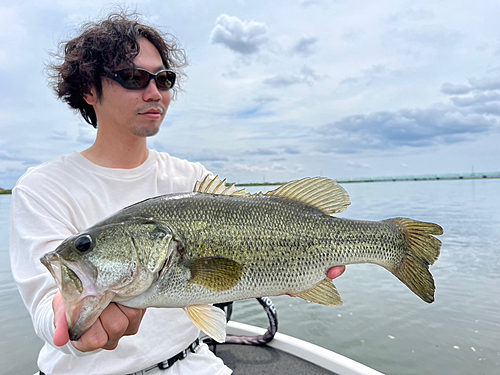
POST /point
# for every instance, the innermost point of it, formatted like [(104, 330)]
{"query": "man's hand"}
[(335, 272), (115, 322)]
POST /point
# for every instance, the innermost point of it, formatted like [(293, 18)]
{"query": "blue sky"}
[(284, 89)]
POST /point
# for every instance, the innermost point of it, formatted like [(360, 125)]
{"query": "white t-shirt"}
[(63, 197)]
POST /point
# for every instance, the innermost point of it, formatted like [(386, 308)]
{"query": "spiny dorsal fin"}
[(217, 187), (320, 192)]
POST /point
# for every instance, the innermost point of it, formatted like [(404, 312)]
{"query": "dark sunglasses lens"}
[(137, 79), (165, 80), (134, 79)]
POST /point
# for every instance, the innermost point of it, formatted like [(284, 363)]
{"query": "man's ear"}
[(90, 97)]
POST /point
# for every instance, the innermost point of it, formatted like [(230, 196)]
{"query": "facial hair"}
[(149, 131), (145, 131)]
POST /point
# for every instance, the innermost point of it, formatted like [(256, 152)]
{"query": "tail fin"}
[(422, 250)]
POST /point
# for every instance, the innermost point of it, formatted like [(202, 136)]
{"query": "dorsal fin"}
[(320, 192), (217, 187)]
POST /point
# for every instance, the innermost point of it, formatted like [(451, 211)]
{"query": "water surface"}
[(382, 323)]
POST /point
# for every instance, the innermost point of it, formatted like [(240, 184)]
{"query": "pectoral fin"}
[(214, 273), (209, 319), (325, 293)]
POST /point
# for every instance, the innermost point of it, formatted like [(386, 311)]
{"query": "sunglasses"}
[(138, 79)]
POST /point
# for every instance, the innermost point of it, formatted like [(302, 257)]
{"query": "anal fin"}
[(325, 293), (209, 319)]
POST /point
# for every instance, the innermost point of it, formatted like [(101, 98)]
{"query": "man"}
[(119, 74)]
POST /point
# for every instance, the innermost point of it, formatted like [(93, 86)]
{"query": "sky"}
[(284, 89)]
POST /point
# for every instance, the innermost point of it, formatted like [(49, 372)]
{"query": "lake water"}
[(382, 323)]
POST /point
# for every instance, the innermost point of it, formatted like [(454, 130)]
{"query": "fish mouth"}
[(82, 302), (85, 313)]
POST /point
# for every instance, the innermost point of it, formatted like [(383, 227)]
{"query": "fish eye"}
[(83, 243)]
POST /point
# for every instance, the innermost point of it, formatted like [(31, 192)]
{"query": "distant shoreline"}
[(432, 177), (445, 177)]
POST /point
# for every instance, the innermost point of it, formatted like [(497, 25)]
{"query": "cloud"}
[(243, 37), (308, 3), (291, 150), (473, 109), (6, 155), (60, 136), (410, 16), (86, 134), (306, 75), (275, 167), (261, 152), (479, 98), (252, 112), (492, 83), (13, 163), (449, 88), (351, 86), (324, 5), (265, 99), (483, 84), (357, 165), (305, 46), (408, 127), (421, 43)]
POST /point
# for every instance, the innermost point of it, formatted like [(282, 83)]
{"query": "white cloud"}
[(465, 119), (449, 88), (305, 46), (306, 75), (244, 37), (60, 136), (357, 164), (475, 99), (86, 134)]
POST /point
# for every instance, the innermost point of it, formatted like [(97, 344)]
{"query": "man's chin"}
[(146, 131)]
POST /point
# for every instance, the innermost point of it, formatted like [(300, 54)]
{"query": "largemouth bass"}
[(221, 244)]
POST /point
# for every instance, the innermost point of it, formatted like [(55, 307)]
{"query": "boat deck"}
[(244, 359), (283, 355)]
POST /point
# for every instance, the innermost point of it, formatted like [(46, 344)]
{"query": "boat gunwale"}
[(315, 354)]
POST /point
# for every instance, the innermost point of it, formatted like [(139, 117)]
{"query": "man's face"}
[(133, 112)]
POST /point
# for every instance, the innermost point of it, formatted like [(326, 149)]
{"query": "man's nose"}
[(151, 92)]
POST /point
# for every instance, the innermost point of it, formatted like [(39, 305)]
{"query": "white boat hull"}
[(302, 349)]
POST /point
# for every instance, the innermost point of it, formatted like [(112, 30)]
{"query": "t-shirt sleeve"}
[(34, 231)]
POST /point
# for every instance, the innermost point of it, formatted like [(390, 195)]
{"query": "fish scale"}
[(285, 256)]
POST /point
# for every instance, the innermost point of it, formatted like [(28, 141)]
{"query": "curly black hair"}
[(105, 45)]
